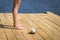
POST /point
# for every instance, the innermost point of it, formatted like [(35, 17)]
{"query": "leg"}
[(15, 14)]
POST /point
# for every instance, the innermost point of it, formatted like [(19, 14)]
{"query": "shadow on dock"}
[(6, 26)]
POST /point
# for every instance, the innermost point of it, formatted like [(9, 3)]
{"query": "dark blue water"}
[(32, 6)]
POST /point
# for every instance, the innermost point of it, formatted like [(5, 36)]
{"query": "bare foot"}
[(20, 27)]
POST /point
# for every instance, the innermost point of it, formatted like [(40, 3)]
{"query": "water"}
[(32, 6)]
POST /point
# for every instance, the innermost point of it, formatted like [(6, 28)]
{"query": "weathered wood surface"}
[(47, 27)]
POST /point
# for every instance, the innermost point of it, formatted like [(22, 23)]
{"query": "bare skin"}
[(15, 14)]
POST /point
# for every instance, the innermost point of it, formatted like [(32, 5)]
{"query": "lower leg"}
[(15, 14)]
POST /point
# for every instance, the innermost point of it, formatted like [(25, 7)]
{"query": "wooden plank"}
[(49, 22), (26, 33), (44, 22), (55, 27), (2, 33), (41, 26), (55, 18), (45, 29), (53, 14), (8, 32), (29, 22), (17, 33)]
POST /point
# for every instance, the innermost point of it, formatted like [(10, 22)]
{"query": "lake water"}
[(32, 6)]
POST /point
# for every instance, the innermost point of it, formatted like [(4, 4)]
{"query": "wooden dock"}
[(47, 27)]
